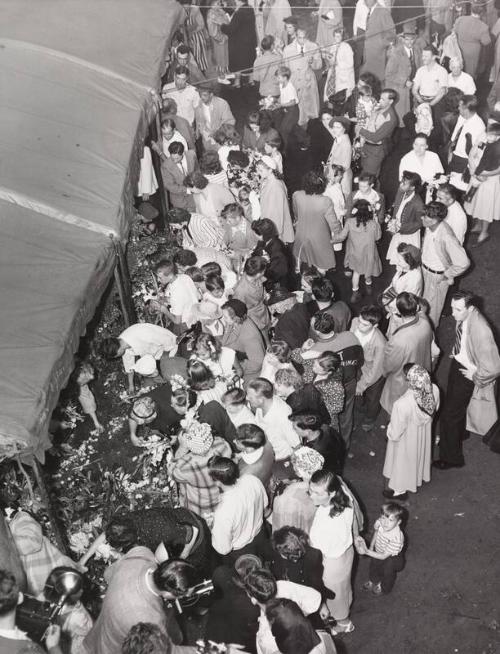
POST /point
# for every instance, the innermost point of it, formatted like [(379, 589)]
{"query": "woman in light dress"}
[(341, 152), (408, 278), (409, 434), (274, 15)]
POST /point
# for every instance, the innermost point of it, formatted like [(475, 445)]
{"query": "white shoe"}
[(223, 80), (230, 76)]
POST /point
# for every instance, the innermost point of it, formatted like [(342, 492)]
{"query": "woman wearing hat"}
[(274, 199), (409, 433), (341, 152), (189, 468)]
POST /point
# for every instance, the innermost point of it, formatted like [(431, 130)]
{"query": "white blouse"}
[(332, 536)]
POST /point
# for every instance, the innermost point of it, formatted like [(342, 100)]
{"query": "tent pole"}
[(122, 281), (155, 128), (37, 471)]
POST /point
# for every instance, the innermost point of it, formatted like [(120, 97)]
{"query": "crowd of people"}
[(251, 367)]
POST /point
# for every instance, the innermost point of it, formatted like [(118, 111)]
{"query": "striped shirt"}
[(388, 542)]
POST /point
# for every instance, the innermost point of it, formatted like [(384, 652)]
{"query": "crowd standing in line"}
[(261, 372)]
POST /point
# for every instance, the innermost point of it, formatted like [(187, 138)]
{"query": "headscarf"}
[(420, 383)]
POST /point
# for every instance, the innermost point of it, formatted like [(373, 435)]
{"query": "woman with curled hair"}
[(256, 454), (279, 268), (294, 559), (320, 437), (211, 168), (325, 373), (244, 337), (146, 638), (277, 358), (201, 379), (332, 533), (219, 359), (316, 224), (250, 290), (408, 278)]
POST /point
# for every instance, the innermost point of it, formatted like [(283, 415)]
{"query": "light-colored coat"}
[(482, 350), (173, 179), (220, 114), (303, 77), (397, 73), (409, 446), (274, 205), (380, 32), (374, 352)]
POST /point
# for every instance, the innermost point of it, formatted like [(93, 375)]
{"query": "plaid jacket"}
[(197, 491)]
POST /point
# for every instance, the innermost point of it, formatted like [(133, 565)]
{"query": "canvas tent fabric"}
[(76, 81)]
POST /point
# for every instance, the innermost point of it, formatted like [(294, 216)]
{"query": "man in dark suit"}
[(279, 270), (289, 318), (378, 133), (173, 171)]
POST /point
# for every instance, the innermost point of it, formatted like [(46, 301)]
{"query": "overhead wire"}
[(246, 71)]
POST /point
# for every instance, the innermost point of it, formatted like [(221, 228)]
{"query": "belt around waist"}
[(434, 272)]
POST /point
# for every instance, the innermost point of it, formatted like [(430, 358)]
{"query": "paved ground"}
[(447, 599)]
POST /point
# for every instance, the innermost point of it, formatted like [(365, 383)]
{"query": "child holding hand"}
[(385, 551)]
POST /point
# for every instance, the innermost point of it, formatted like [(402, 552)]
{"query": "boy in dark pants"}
[(386, 550)]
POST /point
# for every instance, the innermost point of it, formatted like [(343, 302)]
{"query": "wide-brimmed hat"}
[(410, 28), (144, 409), (279, 294)]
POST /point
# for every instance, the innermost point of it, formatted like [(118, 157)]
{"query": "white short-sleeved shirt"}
[(183, 296), (464, 82), (239, 515), (428, 83), (288, 93), (145, 338), (187, 100), (427, 167), (332, 536), (473, 126)]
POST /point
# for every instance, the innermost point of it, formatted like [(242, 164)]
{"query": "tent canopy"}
[(75, 102)]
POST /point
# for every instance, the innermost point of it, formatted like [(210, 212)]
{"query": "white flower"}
[(79, 542)]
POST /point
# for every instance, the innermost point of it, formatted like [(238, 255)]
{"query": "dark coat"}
[(293, 326), (331, 446), (308, 398), (279, 268), (242, 38), (411, 217)]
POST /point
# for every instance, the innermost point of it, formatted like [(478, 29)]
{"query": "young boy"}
[(386, 549)]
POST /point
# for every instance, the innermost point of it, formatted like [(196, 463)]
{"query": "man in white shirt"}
[(431, 80), (185, 95), (456, 218), (137, 341), (180, 295), (271, 413), (468, 131), (443, 258), (239, 517), (457, 79)]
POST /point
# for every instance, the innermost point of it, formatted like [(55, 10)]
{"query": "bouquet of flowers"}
[(269, 103)]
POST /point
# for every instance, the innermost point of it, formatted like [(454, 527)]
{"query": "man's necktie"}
[(458, 339), (412, 64), (183, 170)]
